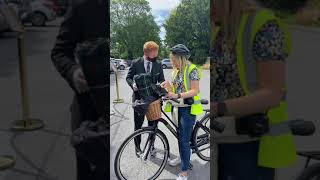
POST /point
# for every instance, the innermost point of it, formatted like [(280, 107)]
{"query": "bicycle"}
[(310, 172), (151, 164)]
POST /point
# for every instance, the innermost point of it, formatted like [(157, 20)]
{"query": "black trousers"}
[(85, 171), (238, 161), (138, 121)]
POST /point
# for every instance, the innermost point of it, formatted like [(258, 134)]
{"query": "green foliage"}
[(164, 52), (132, 24), (189, 24)]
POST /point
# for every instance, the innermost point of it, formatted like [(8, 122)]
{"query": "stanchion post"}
[(27, 123), (6, 162), (118, 100)]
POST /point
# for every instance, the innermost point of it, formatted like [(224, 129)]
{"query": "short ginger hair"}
[(149, 46)]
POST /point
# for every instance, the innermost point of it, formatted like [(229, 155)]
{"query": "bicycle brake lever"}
[(175, 100)]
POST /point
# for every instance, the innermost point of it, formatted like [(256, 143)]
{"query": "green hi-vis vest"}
[(277, 148), (196, 107)]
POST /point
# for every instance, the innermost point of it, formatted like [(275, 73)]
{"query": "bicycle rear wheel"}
[(310, 173), (201, 138), (144, 164)]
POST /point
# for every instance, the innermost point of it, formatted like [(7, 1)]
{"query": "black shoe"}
[(138, 152), (153, 152)]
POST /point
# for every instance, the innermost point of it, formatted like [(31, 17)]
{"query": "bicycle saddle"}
[(204, 101), (302, 127)]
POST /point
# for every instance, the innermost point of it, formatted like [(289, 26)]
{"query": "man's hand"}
[(134, 87), (79, 81), (165, 84), (172, 95)]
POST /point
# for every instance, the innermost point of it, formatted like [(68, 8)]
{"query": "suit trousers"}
[(85, 170)]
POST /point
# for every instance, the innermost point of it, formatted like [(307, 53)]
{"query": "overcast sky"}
[(161, 10)]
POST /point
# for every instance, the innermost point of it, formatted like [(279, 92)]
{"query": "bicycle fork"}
[(149, 144)]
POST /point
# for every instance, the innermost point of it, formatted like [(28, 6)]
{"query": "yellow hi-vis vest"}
[(196, 107), (277, 148)]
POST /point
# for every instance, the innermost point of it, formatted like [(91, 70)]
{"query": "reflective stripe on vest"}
[(279, 129), (276, 148)]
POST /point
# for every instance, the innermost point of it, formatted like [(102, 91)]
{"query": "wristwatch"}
[(179, 96), (221, 109)]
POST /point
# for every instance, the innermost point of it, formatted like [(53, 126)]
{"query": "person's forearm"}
[(130, 82), (130, 76), (257, 102), (191, 93), (161, 77), (62, 54), (64, 62)]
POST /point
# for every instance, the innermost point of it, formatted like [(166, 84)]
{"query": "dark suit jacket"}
[(84, 20), (137, 67)]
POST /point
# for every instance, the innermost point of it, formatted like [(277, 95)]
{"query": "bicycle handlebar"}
[(214, 124), (175, 100), (171, 99)]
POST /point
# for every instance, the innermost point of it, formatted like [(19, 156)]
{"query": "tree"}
[(132, 24), (164, 52), (189, 24)]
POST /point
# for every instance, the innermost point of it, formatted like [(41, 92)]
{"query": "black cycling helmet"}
[(180, 50)]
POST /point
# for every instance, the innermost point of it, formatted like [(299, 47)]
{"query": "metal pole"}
[(23, 79), (27, 123), (118, 100)]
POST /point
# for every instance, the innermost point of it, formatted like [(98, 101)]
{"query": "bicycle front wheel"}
[(147, 161)]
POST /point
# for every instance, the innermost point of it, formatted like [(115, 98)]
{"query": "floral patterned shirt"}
[(178, 82), (225, 82)]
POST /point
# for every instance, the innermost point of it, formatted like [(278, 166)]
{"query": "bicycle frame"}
[(173, 129)]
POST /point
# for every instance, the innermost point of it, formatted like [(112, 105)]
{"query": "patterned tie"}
[(148, 66)]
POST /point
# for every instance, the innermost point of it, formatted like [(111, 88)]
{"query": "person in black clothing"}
[(84, 20), (145, 64)]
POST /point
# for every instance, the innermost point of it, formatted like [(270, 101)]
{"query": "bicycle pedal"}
[(190, 166)]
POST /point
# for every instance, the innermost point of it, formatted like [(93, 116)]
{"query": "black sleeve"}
[(131, 73), (161, 76), (62, 54)]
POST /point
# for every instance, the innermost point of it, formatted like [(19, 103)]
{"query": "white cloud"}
[(161, 10), (163, 4)]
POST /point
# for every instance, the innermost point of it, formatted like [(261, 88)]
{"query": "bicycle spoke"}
[(143, 166), (202, 136), (199, 150)]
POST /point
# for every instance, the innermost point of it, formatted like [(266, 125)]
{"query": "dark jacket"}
[(84, 20), (137, 67)]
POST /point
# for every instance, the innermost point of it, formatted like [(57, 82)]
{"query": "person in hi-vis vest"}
[(185, 85), (249, 48)]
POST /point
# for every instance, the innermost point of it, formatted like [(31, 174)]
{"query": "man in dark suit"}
[(84, 20), (145, 64)]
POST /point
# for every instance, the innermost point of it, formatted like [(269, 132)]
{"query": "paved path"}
[(45, 154)]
